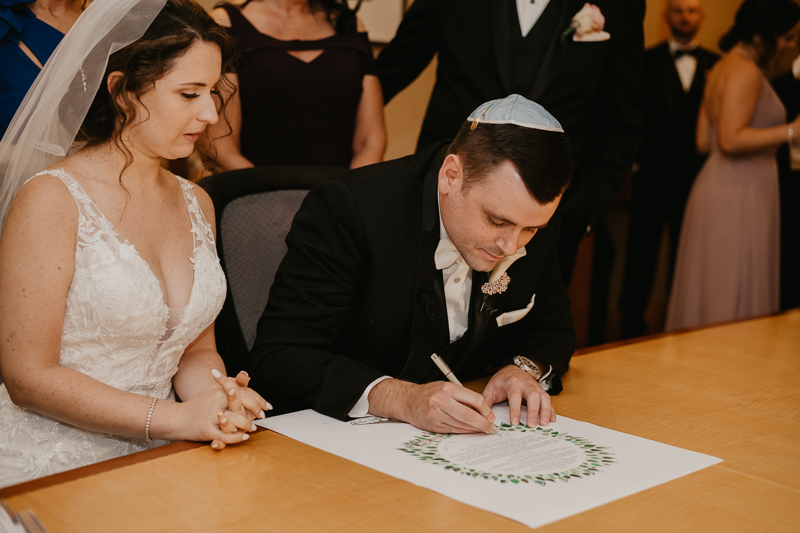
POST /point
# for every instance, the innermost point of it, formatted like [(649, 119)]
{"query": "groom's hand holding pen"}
[(448, 373)]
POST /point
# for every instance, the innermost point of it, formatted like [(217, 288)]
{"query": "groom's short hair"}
[(541, 157)]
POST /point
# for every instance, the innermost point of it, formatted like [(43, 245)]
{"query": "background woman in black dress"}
[(307, 90)]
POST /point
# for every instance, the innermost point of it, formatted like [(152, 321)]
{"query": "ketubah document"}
[(532, 475)]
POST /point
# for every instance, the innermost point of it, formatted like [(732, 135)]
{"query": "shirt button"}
[(457, 280)]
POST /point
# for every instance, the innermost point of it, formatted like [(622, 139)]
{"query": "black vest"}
[(528, 53)]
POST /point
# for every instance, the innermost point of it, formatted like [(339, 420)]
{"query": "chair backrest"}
[(254, 229), (254, 212)]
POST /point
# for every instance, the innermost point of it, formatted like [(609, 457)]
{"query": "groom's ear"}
[(451, 174)]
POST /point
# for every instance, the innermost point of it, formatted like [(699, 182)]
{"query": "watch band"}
[(526, 365)]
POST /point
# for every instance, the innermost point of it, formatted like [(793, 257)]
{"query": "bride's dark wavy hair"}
[(339, 13), (179, 25), (766, 19)]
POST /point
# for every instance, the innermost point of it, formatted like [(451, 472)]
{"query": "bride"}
[(109, 278)]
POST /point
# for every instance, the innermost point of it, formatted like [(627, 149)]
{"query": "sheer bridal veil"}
[(45, 125)]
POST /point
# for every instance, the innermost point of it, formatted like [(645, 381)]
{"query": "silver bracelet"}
[(149, 416)]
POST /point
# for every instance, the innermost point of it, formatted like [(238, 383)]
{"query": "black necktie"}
[(680, 53)]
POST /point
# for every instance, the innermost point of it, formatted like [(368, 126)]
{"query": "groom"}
[(392, 263)]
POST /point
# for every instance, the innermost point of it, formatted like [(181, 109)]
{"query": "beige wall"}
[(719, 18), (405, 112)]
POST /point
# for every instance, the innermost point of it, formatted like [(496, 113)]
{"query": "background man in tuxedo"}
[(388, 265), (675, 78), (490, 48)]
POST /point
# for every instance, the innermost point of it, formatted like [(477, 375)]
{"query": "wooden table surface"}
[(731, 391)]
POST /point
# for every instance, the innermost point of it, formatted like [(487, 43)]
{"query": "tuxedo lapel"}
[(429, 330), (555, 51), (499, 10)]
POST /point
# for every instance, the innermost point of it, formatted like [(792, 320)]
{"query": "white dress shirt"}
[(685, 65), (457, 287), (528, 13)]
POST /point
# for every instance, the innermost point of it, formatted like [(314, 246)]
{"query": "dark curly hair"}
[(542, 158), (340, 15), (174, 30), (767, 19)]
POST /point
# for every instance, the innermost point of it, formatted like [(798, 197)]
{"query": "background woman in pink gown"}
[(728, 256)]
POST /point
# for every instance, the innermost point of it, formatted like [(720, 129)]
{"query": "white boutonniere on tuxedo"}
[(587, 25), (498, 280)]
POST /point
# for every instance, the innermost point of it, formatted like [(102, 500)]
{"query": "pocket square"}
[(513, 316), (591, 37)]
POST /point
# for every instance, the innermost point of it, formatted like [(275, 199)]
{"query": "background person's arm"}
[(226, 133), (369, 140), (740, 95), (412, 49), (701, 137)]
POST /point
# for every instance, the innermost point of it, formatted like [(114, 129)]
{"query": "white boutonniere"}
[(587, 25), (498, 280)]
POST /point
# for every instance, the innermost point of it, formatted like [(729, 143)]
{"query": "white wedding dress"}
[(118, 330)]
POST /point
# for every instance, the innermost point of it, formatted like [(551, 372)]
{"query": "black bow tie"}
[(677, 54)]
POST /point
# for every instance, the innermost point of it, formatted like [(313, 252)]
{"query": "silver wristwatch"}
[(530, 367)]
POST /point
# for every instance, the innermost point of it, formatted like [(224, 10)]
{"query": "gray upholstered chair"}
[(254, 211)]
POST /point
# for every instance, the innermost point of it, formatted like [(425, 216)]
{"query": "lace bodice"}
[(115, 330)]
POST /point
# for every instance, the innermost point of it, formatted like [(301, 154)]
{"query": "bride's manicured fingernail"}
[(215, 445), (232, 392), (252, 427), (216, 373), (245, 373), (223, 420), (245, 436), (261, 414), (269, 406)]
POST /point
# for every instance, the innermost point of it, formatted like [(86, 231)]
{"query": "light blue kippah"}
[(515, 109)]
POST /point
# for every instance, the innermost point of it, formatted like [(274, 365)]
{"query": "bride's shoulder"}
[(46, 192)]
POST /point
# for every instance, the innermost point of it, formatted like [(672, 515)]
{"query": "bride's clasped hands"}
[(222, 413), (243, 406)]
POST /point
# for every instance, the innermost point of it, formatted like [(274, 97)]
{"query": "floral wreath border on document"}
[(426, 448)]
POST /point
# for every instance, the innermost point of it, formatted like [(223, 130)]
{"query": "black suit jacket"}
[(668, 158), (347, 304), (592, 88)]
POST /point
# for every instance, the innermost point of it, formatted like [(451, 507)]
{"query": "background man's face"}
[(684, 18), (493, 218)]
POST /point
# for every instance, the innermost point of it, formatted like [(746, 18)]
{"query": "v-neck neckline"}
[(120, 238)]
